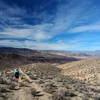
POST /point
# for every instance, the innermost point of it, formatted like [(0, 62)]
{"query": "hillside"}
[(47, 83), (48, 76), (87, 70), (10, 57)]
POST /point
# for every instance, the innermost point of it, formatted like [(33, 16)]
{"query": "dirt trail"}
[(25, 93), (22, 94), (46, 96)]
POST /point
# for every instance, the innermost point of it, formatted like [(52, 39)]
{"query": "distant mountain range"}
[(10, 57), (30, 52), (76, 53)]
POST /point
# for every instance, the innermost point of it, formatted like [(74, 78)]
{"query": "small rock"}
[(13, 86), (4, 89), (34, 92), (62, 94)]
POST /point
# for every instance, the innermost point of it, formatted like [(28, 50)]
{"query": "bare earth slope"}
[(87, 70), (48, 84)]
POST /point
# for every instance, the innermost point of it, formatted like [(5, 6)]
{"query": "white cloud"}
[(37, 32), (11, 43), (67, 20), (85, 28), (41, 36), (35, 45), (46, 46), (69, 14), (15, 33)]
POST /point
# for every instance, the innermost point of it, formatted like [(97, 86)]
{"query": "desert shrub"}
[(59, 94), (4, 81), (13, 86), (62, 94), (4, 90)]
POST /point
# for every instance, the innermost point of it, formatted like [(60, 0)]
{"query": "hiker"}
[(17, 75)]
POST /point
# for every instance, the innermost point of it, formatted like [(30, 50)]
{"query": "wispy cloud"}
[(70, 14), (35, 45), (85, 28), (42, 26), (37, 32)]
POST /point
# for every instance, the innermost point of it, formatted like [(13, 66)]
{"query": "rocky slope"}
[(88, 70), (48, 84)]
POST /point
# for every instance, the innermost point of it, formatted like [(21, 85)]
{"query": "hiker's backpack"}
[(17, 72)]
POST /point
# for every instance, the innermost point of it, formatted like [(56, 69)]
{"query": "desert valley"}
[(55, 75)]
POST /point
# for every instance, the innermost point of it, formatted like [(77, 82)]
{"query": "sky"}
[(50, 24)]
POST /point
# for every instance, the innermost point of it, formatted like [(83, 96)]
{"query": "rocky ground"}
[(48, 84), (87, 70)]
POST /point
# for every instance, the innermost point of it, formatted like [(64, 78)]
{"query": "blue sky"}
[(50, 24)]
